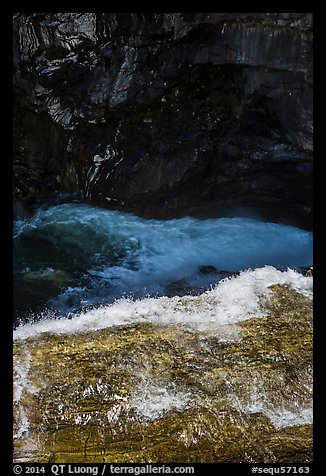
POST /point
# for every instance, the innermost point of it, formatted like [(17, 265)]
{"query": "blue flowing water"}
[(72, 256)]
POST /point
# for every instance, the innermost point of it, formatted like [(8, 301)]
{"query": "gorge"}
[(163, 280)]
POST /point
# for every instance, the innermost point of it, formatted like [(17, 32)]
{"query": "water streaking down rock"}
[(172, 379)]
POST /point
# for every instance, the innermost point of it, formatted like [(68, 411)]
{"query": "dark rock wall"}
[(166, 114)]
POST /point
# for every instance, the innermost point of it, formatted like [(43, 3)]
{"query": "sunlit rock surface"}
[(149, 392)]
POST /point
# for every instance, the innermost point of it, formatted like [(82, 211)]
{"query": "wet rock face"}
[(158, 393), (166, 114)]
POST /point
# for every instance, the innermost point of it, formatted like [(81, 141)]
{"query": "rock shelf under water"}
[(150, 392)]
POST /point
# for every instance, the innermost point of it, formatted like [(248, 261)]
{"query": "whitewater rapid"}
[(78, 255), (214, 314), (146, 319), (232, 300)]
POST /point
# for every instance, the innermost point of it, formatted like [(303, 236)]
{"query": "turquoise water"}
[(73, 256)]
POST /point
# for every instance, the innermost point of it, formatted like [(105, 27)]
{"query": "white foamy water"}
[(96, 256), (152, 400), (232, 300), (20, 383), (281, 415), (283, 418)]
